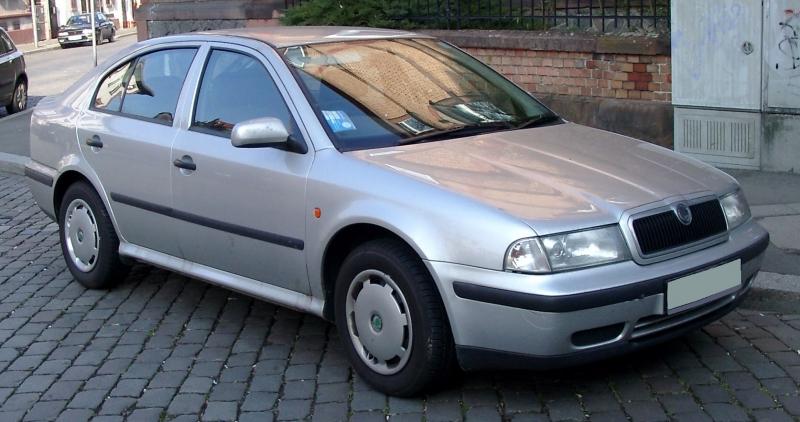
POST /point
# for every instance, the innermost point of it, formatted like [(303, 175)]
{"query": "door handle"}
[(185, 163), (94, 142)]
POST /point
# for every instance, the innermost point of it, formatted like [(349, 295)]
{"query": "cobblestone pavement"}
[(164, 347)]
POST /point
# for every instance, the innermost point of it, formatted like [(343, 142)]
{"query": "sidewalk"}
[(52, 44), (775, 203)]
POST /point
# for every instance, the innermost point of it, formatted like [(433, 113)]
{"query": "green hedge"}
[(483, 14), (373, 13), (395, 13)]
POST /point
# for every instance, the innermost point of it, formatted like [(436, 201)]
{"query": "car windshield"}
[(388, 92), (79, 20)]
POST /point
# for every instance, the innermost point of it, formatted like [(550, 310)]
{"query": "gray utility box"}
[(736, 82)]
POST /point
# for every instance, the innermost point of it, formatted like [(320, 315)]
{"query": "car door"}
[(126, 135), (7, 74), (242, 209), (105, 26)]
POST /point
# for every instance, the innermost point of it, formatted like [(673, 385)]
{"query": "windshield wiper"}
[(538, 121), (457, 132)]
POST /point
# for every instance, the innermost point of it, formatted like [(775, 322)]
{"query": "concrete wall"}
[(780, 145)]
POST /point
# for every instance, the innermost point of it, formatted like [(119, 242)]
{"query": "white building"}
[(119, 11), (16, 16)]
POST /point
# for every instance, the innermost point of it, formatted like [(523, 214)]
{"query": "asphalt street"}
[(50, 73)]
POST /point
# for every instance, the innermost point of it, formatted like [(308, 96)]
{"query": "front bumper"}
[(506, 320), (83, 39)]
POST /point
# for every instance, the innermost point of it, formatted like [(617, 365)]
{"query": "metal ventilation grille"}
[(663, 231), (692, 136), (724, 138), (717, 135), (741, 134)]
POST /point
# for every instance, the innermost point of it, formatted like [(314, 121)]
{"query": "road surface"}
[(50, 73)]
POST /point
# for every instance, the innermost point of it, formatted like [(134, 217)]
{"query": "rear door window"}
[(154, 84), (147, 87)]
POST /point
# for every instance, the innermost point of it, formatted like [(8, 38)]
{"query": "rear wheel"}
[(19, 101), (88, 240), (392, 320), (112, 35)]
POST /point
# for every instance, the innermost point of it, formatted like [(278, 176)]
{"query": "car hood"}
[(74, 27), (556, 178)]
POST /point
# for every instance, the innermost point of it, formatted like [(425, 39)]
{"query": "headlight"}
[(736, 209), (567, 251), (87, 32), (62, 34)]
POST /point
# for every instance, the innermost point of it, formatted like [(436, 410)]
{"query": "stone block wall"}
[(157, 18)]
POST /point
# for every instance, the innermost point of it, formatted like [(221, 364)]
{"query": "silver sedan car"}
[(391, 183)]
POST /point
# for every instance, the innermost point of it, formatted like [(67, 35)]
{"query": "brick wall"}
[(617, 83), (638, 77)]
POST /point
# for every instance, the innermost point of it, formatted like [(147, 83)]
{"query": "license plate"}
[(687, 290), (74, 37)]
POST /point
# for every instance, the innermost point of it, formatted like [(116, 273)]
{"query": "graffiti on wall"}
[(783, 50), (788, 43)]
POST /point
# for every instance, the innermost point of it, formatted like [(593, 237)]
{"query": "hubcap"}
[(379, 322), (80, 232), (21, 96)]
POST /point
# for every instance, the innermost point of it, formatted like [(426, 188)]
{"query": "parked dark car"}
[(78, 30), (13, 80)]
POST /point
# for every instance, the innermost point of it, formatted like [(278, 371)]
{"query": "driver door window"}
[(227, 97)]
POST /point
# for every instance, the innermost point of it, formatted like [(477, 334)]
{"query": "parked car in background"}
[(13, 79), (78, 30), (393, 184)]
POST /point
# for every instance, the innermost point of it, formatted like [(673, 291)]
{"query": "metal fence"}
[(599, 15)]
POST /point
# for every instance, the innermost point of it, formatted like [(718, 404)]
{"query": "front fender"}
[(438, 224)]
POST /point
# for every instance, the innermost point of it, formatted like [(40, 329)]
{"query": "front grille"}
[(663, 231)]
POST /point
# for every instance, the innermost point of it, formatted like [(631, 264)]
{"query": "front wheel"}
[(112, 35), (19, 101), (392, 320), (88, 240)]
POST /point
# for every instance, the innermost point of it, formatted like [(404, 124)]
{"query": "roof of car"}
[(287, 36)]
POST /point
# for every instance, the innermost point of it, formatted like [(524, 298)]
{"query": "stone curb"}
[(774, 210), (780, 282), (57, 46)]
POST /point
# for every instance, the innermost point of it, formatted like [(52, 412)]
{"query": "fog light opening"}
[(597, 335)]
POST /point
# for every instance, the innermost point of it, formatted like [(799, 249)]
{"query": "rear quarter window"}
[(147, 87), (109, 93)]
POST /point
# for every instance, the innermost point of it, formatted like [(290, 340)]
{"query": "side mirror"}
[(259, 133)]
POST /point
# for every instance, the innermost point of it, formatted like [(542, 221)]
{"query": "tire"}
[(367, 320), (19, 100), (112, 35), (88, 240)]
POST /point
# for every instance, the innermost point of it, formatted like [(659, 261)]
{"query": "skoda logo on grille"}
[(684, 214)]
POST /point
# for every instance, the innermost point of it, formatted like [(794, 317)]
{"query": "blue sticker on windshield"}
[(338, 120)]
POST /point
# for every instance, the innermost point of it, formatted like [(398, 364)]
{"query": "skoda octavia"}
[(388, 182)]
